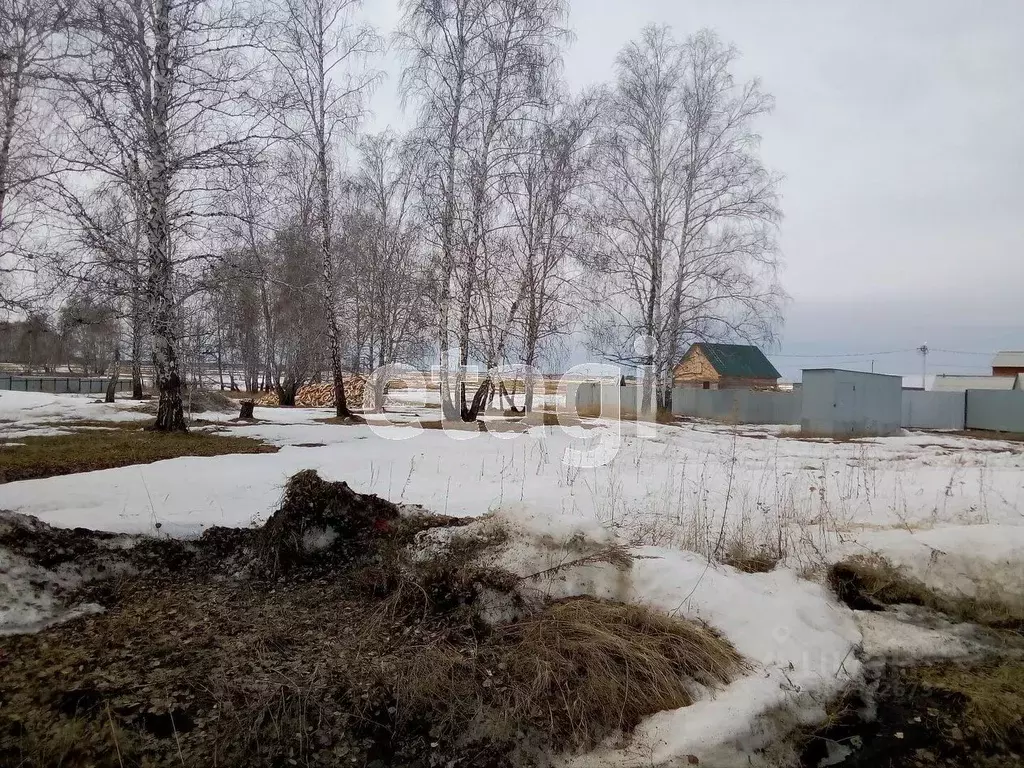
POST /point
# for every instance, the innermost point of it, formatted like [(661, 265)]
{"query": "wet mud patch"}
[(927, 715)]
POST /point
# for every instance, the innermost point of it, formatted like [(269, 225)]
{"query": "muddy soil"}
[(203, 672), (968, 712), (898, 721), (242, 648)]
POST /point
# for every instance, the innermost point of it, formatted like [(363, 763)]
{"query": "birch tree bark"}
[(723, 272), (476, 68), (544, 194), (159, 290), (149, 105)]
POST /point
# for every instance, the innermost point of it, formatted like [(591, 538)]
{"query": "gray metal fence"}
[(848, 404), (606, 397), (839, 402), (61, 384), (740, 406), (933, 410), (997, 411)]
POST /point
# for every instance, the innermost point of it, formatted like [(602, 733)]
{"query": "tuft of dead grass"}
[(994, 694), (576, 672), (872, 582), (746, 557), (588, 668), (108, 448)]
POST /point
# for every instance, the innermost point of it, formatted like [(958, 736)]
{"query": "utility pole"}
[(923, 349)]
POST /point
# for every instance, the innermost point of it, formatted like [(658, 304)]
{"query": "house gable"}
[(739, 364), (695, 366)]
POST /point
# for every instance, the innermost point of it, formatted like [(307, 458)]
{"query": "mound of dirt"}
[(320, 526), (199, 400), (319, 520)]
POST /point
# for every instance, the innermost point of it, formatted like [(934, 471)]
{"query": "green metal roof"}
[(739, 360)]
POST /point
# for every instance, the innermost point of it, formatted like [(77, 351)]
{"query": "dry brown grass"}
[(108, 448), (994, 693), (576, 672), (592, 668), (870, 582), (569, 673), (749, 558), (382, 655)]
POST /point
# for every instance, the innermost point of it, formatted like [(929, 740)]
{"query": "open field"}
[(944, 511)]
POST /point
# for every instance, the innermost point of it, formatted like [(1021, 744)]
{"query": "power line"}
[(961, 352), (857, 355), (848, 354)]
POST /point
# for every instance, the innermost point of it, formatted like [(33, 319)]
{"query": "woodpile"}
[(322, 395)]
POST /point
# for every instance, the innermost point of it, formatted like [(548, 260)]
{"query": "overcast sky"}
[(899, 129)]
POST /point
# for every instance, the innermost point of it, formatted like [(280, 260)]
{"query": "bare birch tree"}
[(476, 69), (442, 42), (544, 194), (151, 102), (682, 210), (28, 45), (318, 49), (520, 48), (637, 190), (723, 275), (392, 279)]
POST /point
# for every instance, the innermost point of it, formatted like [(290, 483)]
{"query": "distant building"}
[(944, 383), (725, 366), (1008, 364)]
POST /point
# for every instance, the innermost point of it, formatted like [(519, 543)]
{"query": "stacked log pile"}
[(321, 395)]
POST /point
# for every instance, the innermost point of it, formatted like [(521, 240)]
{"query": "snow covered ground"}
[(799, 641), (670, 484), (948, 508), (38, 414)]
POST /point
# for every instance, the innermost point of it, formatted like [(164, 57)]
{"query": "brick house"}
[(1008, 364), (725, 366)]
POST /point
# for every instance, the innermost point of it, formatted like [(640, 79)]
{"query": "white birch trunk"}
[(160, 283)]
